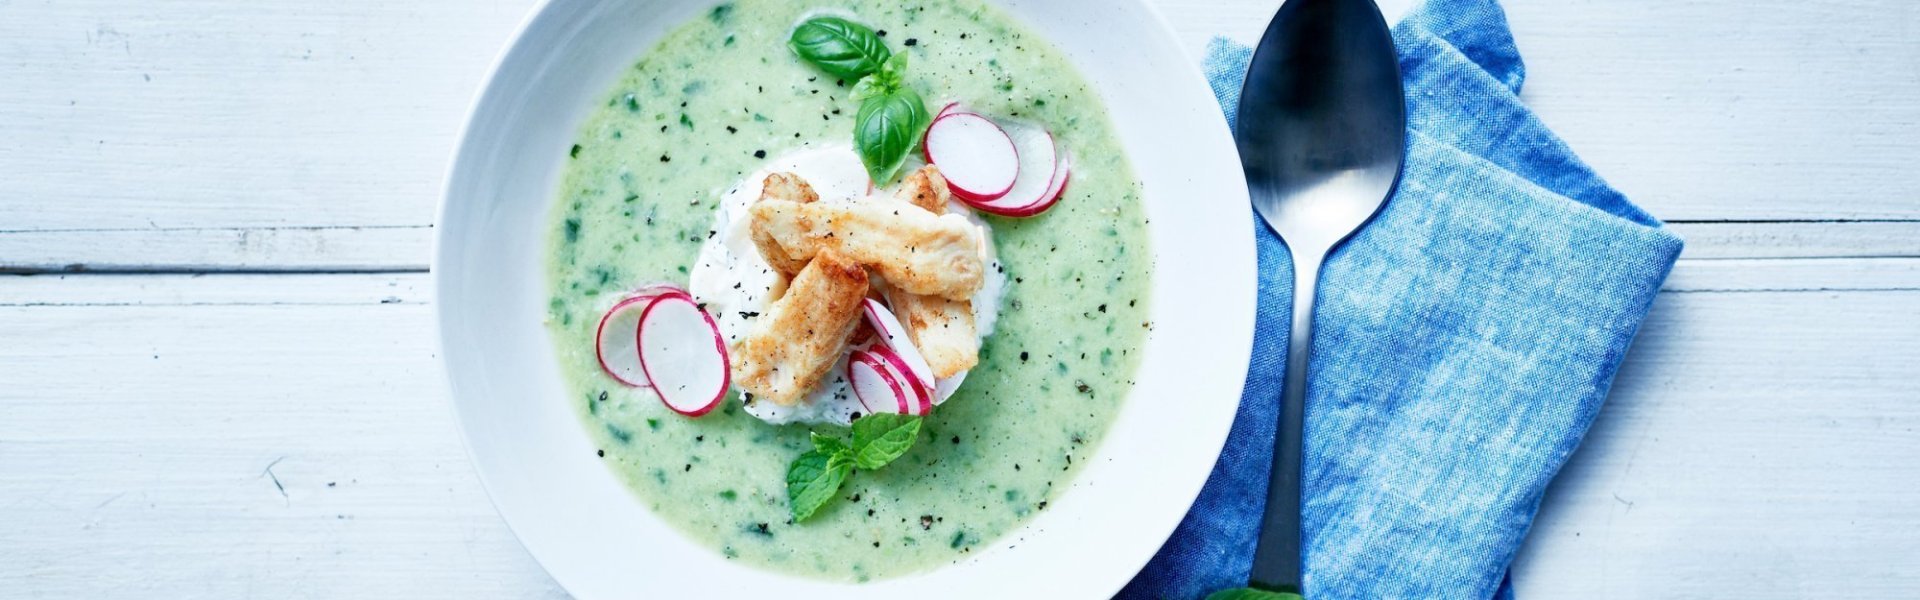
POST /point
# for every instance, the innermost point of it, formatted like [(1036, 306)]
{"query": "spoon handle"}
[(1277, 558)]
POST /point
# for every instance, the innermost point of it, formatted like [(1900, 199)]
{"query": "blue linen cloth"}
[(1465, 339)]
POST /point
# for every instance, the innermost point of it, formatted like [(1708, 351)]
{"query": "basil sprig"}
[(891, 121), (815, 477), (846, 49), (892, 117)]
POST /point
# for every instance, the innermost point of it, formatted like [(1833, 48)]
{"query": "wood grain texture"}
[(406, 248), (217, 249), (237, 436), (137, 430), (228, 113), (182, 116), (1744, 454)]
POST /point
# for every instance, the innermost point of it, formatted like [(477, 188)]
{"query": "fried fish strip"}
[(789, 187), (942, 329), (914, 250), (927, 189), (804, 332)]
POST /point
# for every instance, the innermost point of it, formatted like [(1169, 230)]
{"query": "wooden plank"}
[(239, 436), (198, 114), (1798, 275), (1744, 453), (202, 249), (230, 113), (1816, 239), (141, 413), (1706, 110), (389, 249), (250, 289), (1690, 275)]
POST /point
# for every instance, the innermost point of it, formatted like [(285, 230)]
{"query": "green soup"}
[(699, 112)]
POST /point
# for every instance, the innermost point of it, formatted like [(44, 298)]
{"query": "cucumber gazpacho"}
[(848, 288)]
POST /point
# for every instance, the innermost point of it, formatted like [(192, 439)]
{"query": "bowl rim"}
[(1236, 353)]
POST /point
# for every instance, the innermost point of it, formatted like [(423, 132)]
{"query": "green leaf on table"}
[(815, 478), (842, 48), (881, 438), (1252, 594)]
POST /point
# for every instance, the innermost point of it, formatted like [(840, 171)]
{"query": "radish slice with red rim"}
[(1062, 174), (876, 386), (921, 391), (683, 355), (1039, 165), (888, 326), (944, 110), (977, 158), (618, 353)]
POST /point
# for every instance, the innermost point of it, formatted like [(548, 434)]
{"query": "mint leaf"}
[(1252, 594), (815, 478), (881, 438), (840, 47), (827, 444)]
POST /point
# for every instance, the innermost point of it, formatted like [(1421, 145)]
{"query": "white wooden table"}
[(217, 373)]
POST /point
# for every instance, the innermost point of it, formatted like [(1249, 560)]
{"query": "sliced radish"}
[(1040, 167), (875, 385), (976, 156), (1062, 173), (895, 335), (922, 391), (683, 355), (618, 354), (950, 107)]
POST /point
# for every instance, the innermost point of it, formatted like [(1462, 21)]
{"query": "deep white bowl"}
[(593, 536)]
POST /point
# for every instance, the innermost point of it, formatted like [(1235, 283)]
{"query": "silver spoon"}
[(1322, 134)]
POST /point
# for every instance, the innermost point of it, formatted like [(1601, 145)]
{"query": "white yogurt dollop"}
[(737, 286)]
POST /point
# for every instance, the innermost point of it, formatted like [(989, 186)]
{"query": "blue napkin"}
[(1465, 339)]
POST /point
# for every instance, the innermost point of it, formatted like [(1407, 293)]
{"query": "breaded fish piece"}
[(942, 329), (927, 189), (804, 332), (913, 249), (789, 187)]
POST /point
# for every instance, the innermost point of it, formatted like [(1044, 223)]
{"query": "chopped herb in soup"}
[(664, 166)]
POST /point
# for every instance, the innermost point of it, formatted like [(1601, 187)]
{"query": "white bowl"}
[(592, 535)]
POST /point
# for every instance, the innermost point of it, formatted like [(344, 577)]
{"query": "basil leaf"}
[(1252, 594), (827, 444), (843, 48), (886, 129), (889, 79), (869, 87), (879, 439), (815, 478)]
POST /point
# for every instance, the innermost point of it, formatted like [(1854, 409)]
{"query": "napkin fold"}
[(1464, 341)]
